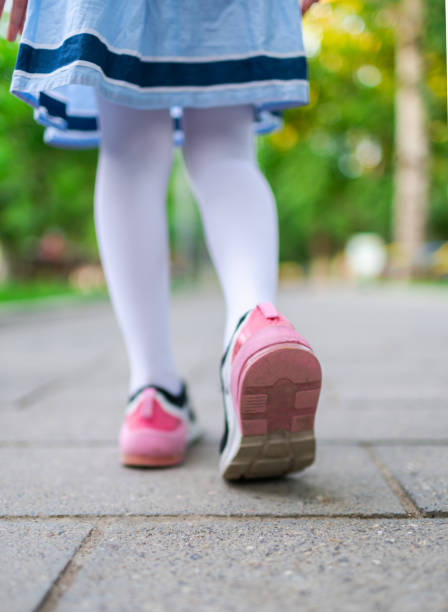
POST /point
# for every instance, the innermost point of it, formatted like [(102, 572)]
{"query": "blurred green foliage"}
[(40, 187), (436, 92), (330, 167)]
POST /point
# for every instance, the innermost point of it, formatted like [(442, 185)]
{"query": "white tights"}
[(237, 209)]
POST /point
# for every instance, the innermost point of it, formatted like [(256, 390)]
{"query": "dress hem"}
[(270, 95)]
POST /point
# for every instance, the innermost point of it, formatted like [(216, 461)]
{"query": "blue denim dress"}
[(157, 54)]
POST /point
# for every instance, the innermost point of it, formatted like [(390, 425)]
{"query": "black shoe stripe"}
[(178, 400), (229, 344), (225, 435)]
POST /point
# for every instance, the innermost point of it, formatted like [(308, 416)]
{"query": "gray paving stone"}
[(329, 565), (58, 456), (17, 385), (395, 386), (381, 424), (32, 555), (92, 408), (23, 387), (348, 323), (73, 481), (385, 400), (91, 412), (75, 347), (56, 345), (32, 359), (408, 373), (423, 472), (77, 413)]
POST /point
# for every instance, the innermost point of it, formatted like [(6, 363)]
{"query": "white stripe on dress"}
[(32, 75)]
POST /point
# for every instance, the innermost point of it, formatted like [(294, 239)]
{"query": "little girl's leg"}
[(134, 164), (237, 206)]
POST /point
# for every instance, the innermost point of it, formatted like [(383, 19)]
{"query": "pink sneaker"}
[(271, 382), (158, 427)]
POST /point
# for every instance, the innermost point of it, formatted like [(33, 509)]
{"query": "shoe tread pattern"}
[(280, 389)]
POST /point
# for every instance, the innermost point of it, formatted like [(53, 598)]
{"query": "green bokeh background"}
[(324, 192)]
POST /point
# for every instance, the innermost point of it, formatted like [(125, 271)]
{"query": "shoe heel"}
[(279, 390)]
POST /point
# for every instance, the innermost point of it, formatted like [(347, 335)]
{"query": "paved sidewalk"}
[(365, 528)]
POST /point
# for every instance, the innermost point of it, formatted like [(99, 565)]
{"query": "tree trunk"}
[(411, 141)]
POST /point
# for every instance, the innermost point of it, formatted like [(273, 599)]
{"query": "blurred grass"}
[(35, 290)]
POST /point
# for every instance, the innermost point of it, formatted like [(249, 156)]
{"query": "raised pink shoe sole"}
[(278, 392), (145, 461), (152, 448)]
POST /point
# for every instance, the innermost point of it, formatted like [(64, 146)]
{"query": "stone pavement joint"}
[(220, 517), (98, 532), (405, 500), (32, 395), (267, 565), (68, 574), (422, 472), (95, 535)]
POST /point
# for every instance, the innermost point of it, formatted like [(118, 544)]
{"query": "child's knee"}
[(214, 135), (134, 133)]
